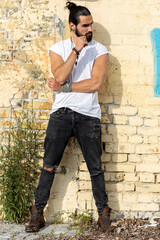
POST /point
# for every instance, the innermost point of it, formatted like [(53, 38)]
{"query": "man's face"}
[(84, 27)]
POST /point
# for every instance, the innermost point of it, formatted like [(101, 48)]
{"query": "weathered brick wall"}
[(131, 115)]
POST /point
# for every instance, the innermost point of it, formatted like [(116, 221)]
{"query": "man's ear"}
[(72, 26)]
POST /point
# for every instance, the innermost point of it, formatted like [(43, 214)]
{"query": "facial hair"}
[(88, 35)]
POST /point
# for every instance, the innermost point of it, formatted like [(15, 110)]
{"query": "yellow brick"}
[(109, 148), (2, 35), (119, 157), (150, 158), (114, 177), (117, 177), (121, 138), (43, 115), (84, 176), (147, 149), (130, 198), (158, 178), (145, 207), (103, 109), (126, 110), (122, 130), (41, 125), (83, 167), (145, 198), (5, 124), (156, 198), (85, 204), (135, 121), (122, 120), (153, 139), (150, 188), (103, 129), (106, 119), (115, 187), (120, 187), (4, 134), (115, 197), (134, 158), (85, 195), (106, 157), (43, 95), (120, 167), (107, 138), (135, 139), (21, 94), (147, 177), (125, 148), (4, 113), (149, 131), (85, 185), (131, 177), (122, 148), (2, 3), (37, 105), (18, 113), (20, 55), (121, 206), (34, 94), (151, 122), (149, 168)]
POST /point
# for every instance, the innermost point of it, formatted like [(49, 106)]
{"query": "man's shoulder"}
[(62, 42), (97, 44)]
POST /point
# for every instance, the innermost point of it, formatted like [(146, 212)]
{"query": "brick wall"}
[(130, 111)]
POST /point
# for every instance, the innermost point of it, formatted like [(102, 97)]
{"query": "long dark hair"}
[(76, 12)]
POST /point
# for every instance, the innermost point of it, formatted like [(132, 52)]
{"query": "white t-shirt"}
[(84, 103)]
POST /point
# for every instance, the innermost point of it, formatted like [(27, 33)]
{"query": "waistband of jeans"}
[(65, 109)]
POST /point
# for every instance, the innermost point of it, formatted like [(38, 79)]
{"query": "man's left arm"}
[(92, 84)]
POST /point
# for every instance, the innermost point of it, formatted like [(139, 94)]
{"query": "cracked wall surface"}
[(130, 111)]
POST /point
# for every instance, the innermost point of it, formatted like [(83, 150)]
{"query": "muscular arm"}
[(60, 69), (93, 84), (98, 75)]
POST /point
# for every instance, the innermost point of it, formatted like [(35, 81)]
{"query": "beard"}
[(87, 35)]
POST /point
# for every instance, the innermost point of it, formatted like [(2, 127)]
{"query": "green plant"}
[(82, 220), (19, 162), (58, 219)]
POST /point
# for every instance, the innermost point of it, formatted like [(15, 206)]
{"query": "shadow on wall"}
[(110, 98)]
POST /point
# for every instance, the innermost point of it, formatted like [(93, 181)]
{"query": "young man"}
[(79, 66)]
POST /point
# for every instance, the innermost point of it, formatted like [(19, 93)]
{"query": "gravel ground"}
[(125, 229)]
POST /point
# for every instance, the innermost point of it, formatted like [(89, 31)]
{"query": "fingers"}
[(50, 79), (51, 82), (81, 42)]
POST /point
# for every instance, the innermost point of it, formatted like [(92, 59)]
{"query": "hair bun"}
[(70, 5)]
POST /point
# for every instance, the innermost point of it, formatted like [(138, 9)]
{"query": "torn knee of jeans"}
[(49, 169)]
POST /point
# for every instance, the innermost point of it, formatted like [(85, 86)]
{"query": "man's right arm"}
[(62, 70)]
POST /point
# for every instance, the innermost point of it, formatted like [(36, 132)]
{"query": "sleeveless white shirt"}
[(84, 103)]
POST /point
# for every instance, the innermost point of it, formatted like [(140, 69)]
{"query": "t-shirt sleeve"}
[(55, 48), (101, 50)]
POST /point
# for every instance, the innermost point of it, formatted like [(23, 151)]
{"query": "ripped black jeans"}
[(63, 124)]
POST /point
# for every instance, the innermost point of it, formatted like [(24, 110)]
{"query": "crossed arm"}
[(62, 70)]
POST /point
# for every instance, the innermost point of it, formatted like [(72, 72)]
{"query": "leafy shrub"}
[(19, 162)]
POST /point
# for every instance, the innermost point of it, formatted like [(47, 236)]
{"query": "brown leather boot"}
[(104, 219), (37, 220)]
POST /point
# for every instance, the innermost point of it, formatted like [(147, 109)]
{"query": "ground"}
[(125, 229)]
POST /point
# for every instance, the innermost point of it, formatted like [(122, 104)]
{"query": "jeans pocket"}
[(57, 113)]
